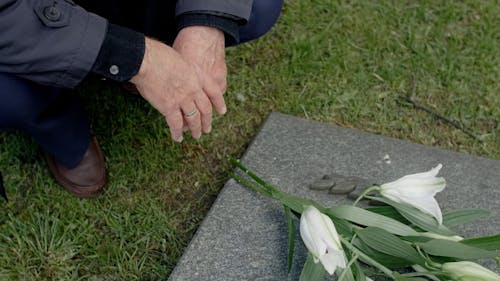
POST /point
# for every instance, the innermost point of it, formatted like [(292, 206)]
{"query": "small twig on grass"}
[(436, 115), (198, 147), (409, 99)]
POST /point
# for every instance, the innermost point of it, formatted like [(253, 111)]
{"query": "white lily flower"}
[(469, 271), (321, 239), (417, 190)]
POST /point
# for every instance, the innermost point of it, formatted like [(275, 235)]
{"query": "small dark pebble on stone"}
[(325, 183), (343, 187)]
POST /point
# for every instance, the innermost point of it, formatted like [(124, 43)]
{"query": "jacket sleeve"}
[(53, 42), (237, 9)]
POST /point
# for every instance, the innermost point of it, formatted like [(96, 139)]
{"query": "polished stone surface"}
[(244, 236)]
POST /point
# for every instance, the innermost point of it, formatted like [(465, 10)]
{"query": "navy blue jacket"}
[(56, 42)]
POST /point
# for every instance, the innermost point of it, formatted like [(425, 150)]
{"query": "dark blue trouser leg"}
[(54, 118), (264, 15), (156, 17)]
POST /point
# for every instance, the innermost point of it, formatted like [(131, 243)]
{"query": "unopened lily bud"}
[(321, 239)]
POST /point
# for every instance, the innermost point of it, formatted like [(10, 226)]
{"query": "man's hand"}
[(172, 86), (203, 48)]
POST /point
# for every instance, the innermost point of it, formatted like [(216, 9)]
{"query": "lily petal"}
[(417, 190), (431, 173), (332, 260), (428, 205), (415, 187), (330, 227), (311, 242)]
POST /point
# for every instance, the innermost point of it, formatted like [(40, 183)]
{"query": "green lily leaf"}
[(366, 258), (416, 238), (312, 271), (462, 216), (490, 243), (388, 243), (447, 248), (417, 217), (291, 237), (345, 275), (367, 218), (386, 260), (343, 227), (359, 273), (388, 211), (354, 271)]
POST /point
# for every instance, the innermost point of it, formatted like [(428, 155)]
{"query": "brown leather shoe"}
[(85, 180)]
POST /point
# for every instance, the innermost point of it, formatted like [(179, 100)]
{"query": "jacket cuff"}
[(228, 26), (121, 54)]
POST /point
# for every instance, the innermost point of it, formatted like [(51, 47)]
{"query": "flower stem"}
[(366, 258), (344, 272), (295, 203), (256, 178), (428, 262), (429, 275), (248, 184), (368, 190)]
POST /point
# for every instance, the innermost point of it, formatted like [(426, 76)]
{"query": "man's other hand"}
[(172, 86), (204, 48)]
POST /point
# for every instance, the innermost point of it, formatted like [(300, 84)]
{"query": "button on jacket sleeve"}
[(53, 42)]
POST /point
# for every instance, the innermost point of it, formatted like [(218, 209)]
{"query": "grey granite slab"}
[(244, 235)]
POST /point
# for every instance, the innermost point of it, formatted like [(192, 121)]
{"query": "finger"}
[(223, 85), (205, 107), (175, 124), (193, 120), (221, 79), (185, 127), (215, 94)]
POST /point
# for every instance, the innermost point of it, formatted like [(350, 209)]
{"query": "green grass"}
[(340, 62)]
